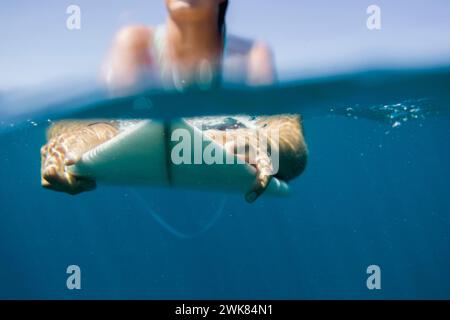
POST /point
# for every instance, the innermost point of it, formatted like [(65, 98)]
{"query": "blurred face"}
[(193, 10)]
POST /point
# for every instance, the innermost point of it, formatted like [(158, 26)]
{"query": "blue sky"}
[(308, 37)]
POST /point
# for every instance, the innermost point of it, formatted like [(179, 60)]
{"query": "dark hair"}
[(222, 12)]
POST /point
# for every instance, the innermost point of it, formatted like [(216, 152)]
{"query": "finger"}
[(45, 183), (258, 188), (71, 159), (43, 150), (52, 175)]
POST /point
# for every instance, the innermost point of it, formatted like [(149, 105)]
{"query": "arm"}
[(261, 70), (128, 58), (67, 141), (286, 144)]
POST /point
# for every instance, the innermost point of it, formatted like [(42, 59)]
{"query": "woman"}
[(189, 51)]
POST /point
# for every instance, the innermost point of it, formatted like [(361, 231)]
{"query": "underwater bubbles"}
[(394, 114)]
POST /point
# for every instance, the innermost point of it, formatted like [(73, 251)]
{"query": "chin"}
[(176, 5), (189, 9)]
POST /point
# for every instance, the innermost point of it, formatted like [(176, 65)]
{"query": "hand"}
[(55, 158), (263, 176), (252, 155)]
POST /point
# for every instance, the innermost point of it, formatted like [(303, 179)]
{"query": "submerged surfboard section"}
[(141, 155), (135, 156)]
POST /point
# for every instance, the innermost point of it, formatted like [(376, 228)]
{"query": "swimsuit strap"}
[(159, 40), (159, 48)]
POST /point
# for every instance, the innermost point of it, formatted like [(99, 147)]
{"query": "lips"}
[(191, 2), (179, 4)]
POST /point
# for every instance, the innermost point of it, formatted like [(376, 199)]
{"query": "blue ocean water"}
[(375, 192)]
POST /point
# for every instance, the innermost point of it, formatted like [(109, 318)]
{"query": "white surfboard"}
[(140, 155)]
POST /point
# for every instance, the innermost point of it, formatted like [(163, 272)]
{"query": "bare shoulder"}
[(261, 64), (258, 57), (135, 37), (261, 51)]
